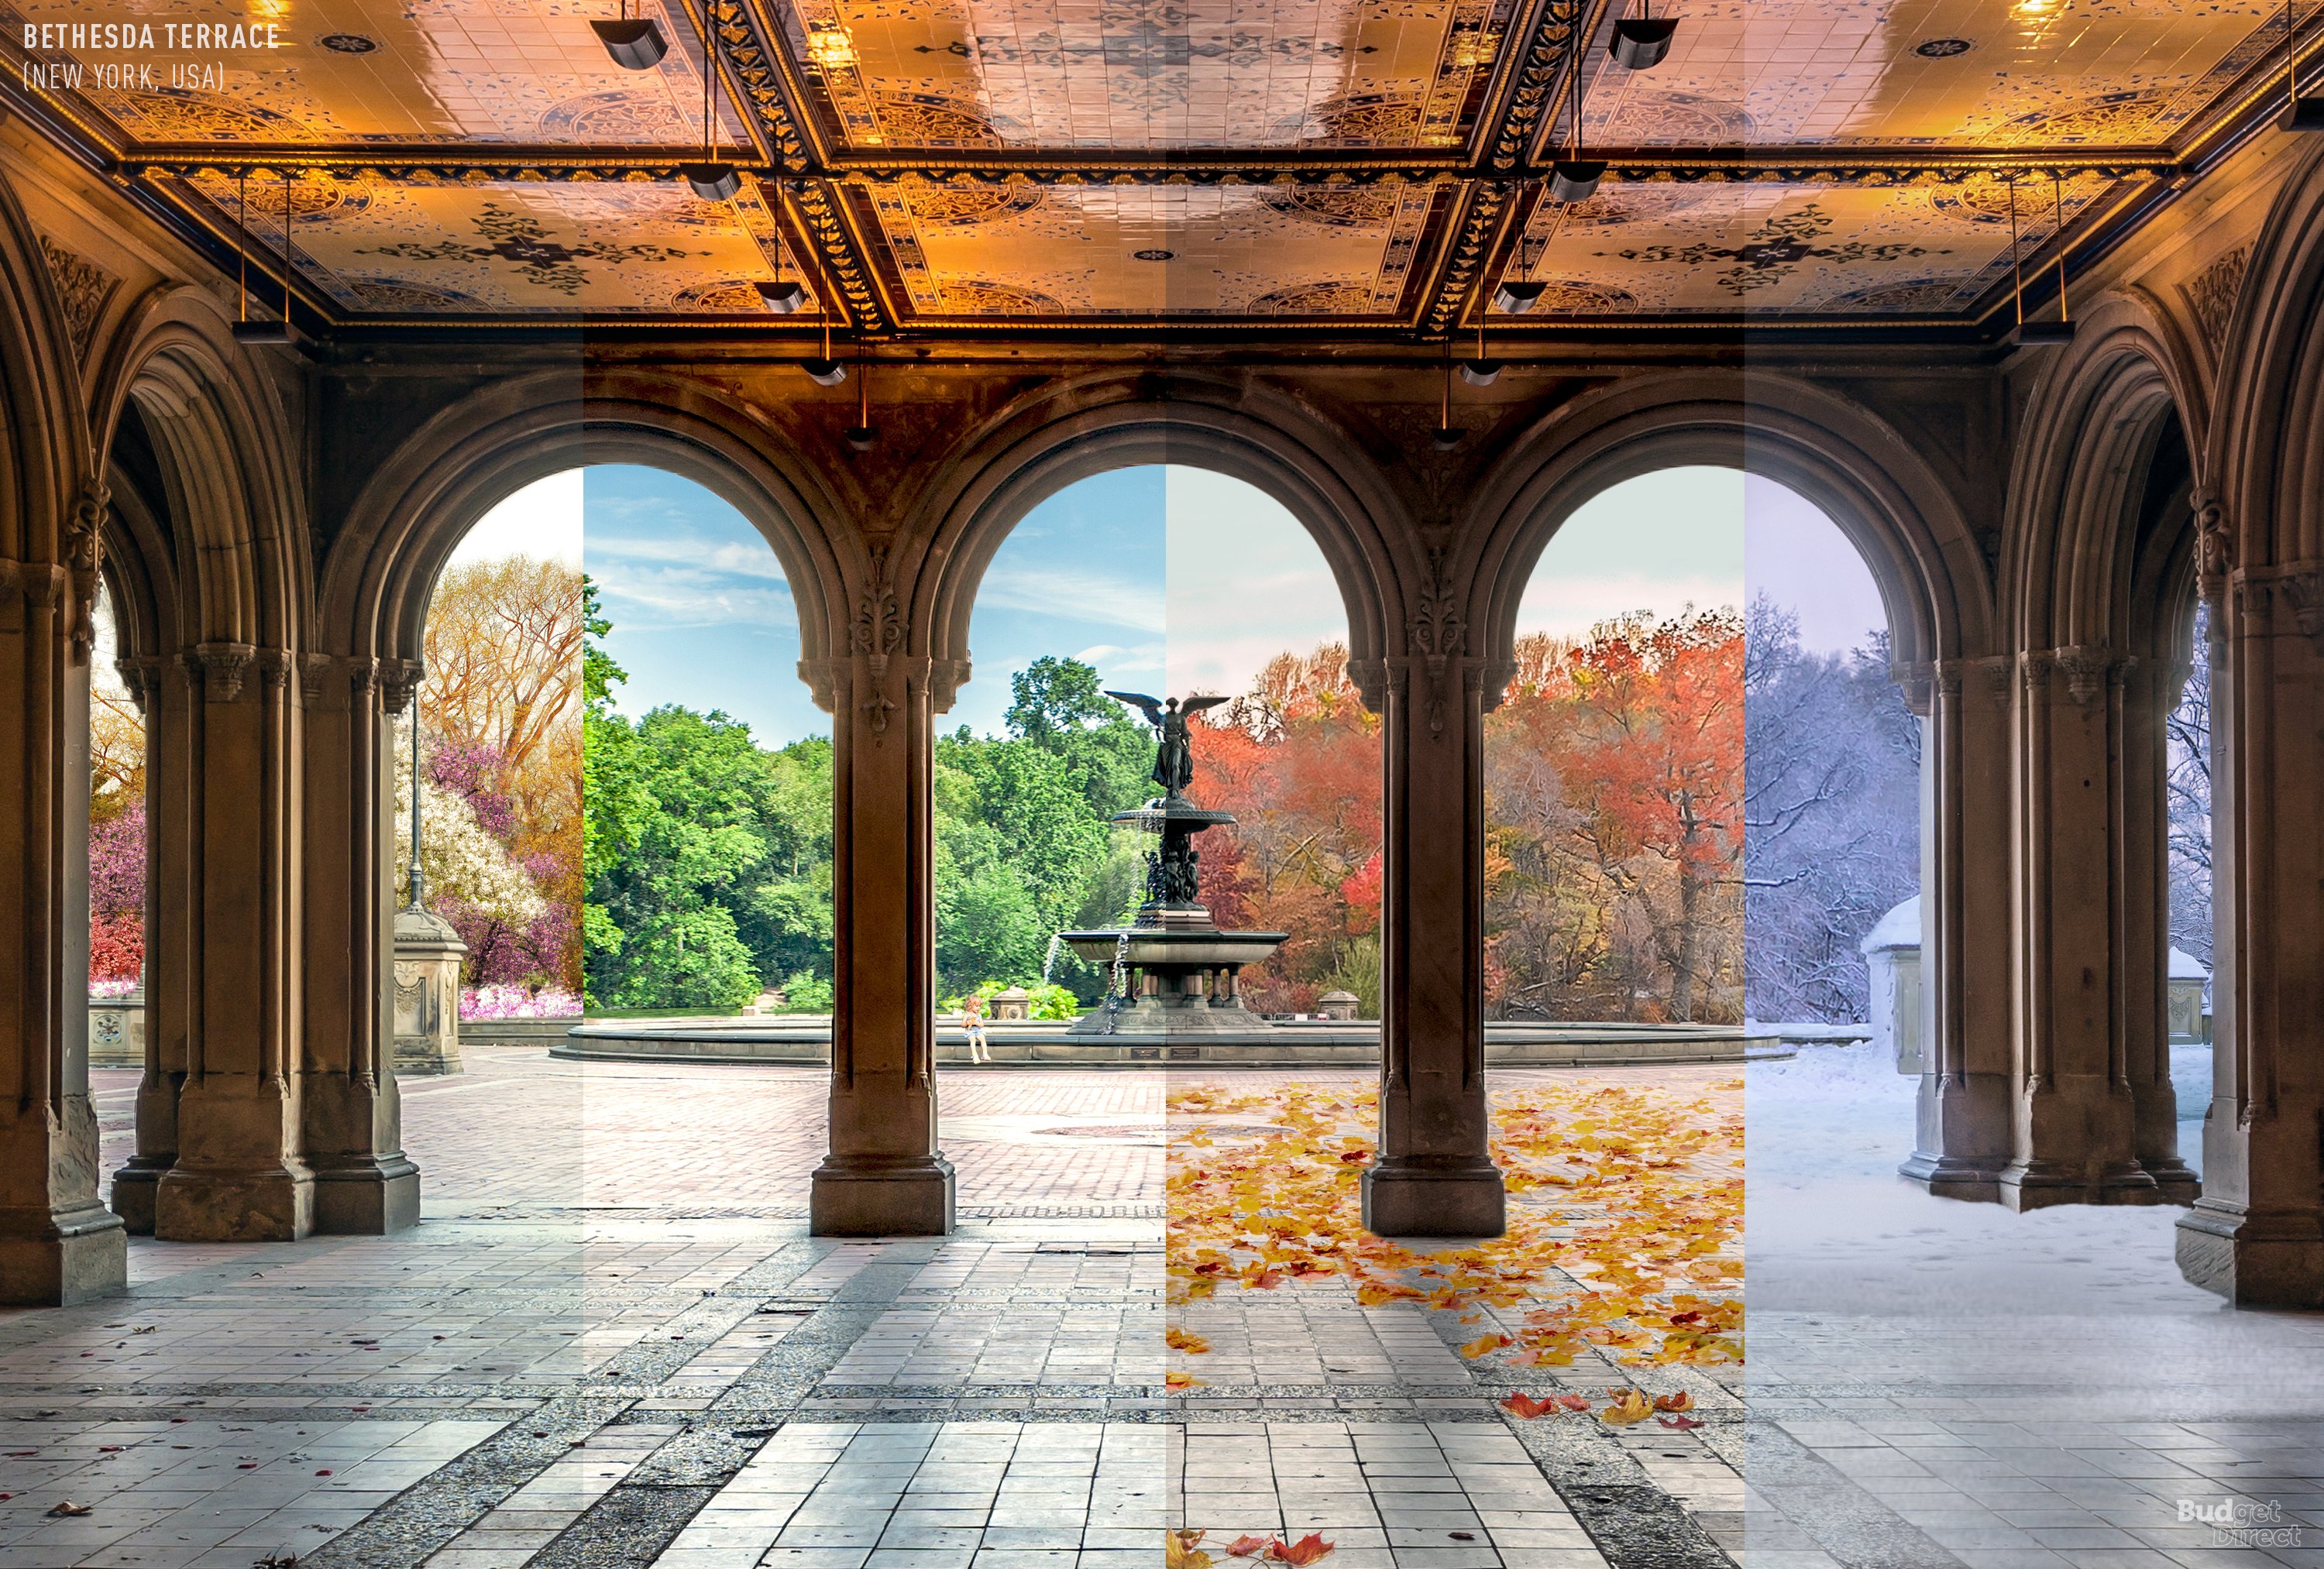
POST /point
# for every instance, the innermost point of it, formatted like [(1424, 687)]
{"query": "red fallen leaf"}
[(1574, 1403), (69, 1510), (1305, 1550), (1679, 1424), (1681, 1401), (108, 1449), (1243, 1547), (247, 1466), (1356, 1155), (4, 1497), (1686, 1318), (22, 1453), (1521, 1404), (322, 1473), (1269, 1280)]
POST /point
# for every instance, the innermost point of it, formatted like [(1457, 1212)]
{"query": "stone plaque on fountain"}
[(1173, 970)]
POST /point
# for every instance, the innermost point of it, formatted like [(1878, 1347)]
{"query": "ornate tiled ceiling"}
[(973, 165)]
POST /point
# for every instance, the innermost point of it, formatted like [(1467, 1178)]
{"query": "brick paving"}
[(612, 1343)]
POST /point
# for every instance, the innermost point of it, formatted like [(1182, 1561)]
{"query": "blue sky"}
[(1173, 580)]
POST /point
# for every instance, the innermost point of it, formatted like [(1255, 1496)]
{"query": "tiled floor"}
[(612, 1344)]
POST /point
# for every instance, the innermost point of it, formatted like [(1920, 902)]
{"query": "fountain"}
[(1175, 972)]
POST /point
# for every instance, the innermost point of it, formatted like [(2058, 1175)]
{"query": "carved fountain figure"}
[(1177, 972)]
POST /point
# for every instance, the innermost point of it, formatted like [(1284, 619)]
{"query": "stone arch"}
[(2265, 447), (233, 506), (2079, 565), (1900, 515), (44, 448), (382, 567), (1074, 430)]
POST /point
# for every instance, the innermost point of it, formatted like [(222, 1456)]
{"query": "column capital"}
[(220, 666)]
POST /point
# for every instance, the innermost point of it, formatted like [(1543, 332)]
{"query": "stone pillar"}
[(1892, 963), (57, 1243), (1962, 1137), (1433, 1176), (351, 1113), (2256, 1235), (2075, 1114), (2145, 693), (165, 695), (883, 1175), (240, 1175)]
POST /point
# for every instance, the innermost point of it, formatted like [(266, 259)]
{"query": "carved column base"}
[(134, 1191), (367, 1199), (2174, 1183), (861, 1197), (275, 1204), (1415, 1197), (2042, 1184), (2253, 1258), (50, 1259), (1971, 1180)]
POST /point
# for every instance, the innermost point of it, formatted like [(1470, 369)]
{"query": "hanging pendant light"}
[(712, 180), (1444, 438), (2061, 331), (246, 331), (1574, 178), (1640, 42), (1480, 372), (635, 42), (861, 436), (2028, 332), (825, 371), (1517, 296), (2298, 113)]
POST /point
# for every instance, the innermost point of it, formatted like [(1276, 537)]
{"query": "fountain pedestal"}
[(1179, 973)]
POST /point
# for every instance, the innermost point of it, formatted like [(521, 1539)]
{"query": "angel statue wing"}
[(1151, 707), (1198, 705)]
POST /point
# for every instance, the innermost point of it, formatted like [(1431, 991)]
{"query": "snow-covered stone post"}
[(1892, 954)]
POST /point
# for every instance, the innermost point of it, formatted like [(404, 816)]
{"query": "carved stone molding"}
[(83, 286), (141, 674), (1913, 678), (2087, 666), (945, 678), (2215, 551), (2034, 669), (220, 667), (84, 555), (1370, 677), (1997, 671), (2212, 292), (398, 680), (314, 676), (823, 678), (274, 666), (1436, 632), (2304, 588), (878, 633)]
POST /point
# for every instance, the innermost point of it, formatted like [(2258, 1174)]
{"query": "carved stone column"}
[(882, 1175), (1433, 1176), (57, 1243), (2256, 1235), (239, 1175), (352, 1117), (1962, 1136), (2143, 696), (164, 696), (2075, 1114)]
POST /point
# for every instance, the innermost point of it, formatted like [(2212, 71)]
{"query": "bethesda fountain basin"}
[(1174, 971)]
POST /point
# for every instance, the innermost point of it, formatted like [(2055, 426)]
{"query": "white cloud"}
[(1071, 595), (662, 601), (735, 557)]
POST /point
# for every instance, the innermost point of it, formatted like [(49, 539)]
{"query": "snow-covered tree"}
[(1832, 761), (2187, 763)]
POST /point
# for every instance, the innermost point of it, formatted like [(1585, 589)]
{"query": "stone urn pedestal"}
[(427, 954)]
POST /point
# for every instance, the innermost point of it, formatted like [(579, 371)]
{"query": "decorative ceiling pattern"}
[(1118, 74), (1104, 165), (380, 72), (2041, 75), (1153, 251), (610, 249), (1654, 247)]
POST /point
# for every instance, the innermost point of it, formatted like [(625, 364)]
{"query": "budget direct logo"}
[(133, 56), (2240, 1522)]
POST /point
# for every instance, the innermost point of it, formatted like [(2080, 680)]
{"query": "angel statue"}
[(1174, 759)]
